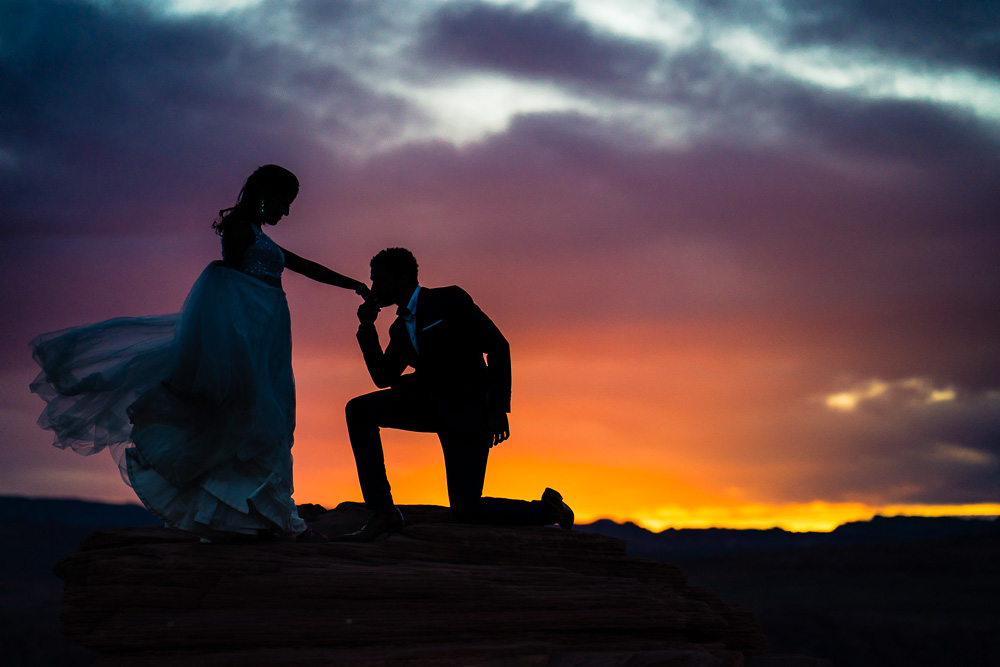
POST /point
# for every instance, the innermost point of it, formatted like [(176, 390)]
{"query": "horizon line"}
[(690, 520)]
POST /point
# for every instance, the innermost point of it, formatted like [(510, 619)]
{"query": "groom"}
[(453, 392)]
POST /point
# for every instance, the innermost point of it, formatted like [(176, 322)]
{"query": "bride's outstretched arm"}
[(320, 273)]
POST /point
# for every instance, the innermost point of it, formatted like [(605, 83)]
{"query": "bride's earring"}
[(262, 207)]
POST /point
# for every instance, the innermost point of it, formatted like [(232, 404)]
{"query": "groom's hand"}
[(367, 313), (499, 427)]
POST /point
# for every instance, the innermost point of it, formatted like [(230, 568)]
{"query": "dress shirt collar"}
[(410, 312)]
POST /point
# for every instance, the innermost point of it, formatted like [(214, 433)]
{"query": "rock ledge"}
[(438, 593)]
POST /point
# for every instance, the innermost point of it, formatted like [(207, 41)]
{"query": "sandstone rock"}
[(438, 593)]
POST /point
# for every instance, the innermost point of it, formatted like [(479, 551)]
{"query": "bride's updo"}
[(264, 182)]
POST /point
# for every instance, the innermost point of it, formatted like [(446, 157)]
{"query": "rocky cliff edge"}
[(437, 593)]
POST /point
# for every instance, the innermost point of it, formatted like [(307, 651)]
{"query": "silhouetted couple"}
[(453, 392), (198, 407)]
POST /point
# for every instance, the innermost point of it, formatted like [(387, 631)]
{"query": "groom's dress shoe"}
[(381, 523), (552, 498)]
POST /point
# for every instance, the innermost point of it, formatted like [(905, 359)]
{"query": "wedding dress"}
[(197, 408)]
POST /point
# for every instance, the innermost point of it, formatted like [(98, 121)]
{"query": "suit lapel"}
[(422, 314)]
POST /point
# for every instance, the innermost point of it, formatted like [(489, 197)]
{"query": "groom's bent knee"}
[(361, 410)]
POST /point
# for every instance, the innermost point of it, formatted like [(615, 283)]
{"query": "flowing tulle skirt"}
[(197, 408)]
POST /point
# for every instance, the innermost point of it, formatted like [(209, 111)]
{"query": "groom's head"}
[(394, 276)]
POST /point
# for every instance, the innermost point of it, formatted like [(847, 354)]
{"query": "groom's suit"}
[(452, 334), (451, 392)]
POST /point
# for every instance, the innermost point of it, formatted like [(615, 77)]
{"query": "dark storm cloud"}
[(905, 450), (578, 172), (84, 84), (959, 33), (349, 23), (914, 132), (552, 43), (964, 33), (547, 42), (737, 107), (98, 101), (734, 105), (325, 15)]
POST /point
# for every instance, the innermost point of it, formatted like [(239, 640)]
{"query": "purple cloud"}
[(548, 41)]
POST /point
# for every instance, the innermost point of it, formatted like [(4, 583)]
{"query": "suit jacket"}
[(452, 336)]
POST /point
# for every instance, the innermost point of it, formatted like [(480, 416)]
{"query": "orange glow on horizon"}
[(636, 495), (681, 436)]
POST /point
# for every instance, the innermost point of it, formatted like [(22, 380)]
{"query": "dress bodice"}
[(262, 259)]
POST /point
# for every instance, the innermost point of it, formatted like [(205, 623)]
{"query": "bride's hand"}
[(363, 292)]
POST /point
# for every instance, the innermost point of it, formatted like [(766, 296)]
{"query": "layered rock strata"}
[(437, 593)]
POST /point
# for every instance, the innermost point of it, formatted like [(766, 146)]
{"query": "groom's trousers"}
[(466, 451)]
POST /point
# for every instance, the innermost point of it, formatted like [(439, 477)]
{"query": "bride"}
[(197, 408)]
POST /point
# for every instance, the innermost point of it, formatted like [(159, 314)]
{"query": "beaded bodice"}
[(262, 259)]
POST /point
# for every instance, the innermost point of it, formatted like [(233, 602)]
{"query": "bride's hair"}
[(265, 181)]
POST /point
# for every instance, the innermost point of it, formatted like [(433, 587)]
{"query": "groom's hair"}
[(398, 261)]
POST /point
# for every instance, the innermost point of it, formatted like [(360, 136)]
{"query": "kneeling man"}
[(442, 334)]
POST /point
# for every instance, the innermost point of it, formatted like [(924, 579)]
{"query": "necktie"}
[(410, 320)]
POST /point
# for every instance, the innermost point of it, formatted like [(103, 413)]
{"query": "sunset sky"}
[(747, 254)]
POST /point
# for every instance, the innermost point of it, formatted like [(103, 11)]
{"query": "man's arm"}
[(498, 366), (384, 367), (497, 351), (492, 343)]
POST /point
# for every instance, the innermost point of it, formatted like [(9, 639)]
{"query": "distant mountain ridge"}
[(72, 512), (674, 543)]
